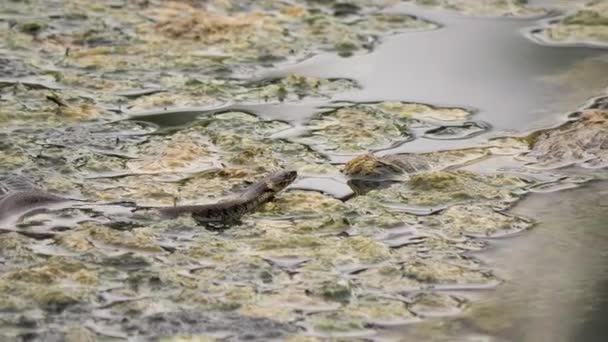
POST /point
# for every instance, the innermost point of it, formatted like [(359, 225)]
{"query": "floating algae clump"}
[(583, 142), (305, 263), (513, 8), (12, 159), (366, 126), (367, 250), (448, 187), (367, 310), (142, 239), (434, 272), (182, 91), (305, 211), (181, 152), (182, 338), (214, 36), (182, 21), (436, 304), (358, 127), (462, 185), (43, 108), (51, 287), (294, 87), (409, 163), (371, 165), (339, 290), (54, 271), (286, 306), (475, 220), (587, 25)]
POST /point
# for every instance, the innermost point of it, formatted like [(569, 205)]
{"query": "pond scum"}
[(306, 266)]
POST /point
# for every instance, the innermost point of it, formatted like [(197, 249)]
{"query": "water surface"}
[(484, 63)]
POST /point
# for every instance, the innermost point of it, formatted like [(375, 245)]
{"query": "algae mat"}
[(393, 249)]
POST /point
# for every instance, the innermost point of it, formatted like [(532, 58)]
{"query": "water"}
[(556, 278), (486, 64), (556, 286), (557, 273)]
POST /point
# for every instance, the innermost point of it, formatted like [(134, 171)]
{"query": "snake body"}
[(18, 196), (250, 199)]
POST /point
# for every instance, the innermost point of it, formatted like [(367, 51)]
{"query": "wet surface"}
[(462, 64), (556, 277), (374, 240)]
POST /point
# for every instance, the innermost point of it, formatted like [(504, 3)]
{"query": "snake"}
[(19, 196)]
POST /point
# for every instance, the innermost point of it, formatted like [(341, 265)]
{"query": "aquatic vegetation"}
[(367, 311), (464, 131), (441, 188), (184, 152), (589, 24), (410, 163), (515, 8), (437, 305), (386, 250), (169, 35), (42, 107), (369, 164), (185, 91), (583, 141), (475, 221), (357, 127)]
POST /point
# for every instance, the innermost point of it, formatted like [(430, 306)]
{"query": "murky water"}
[(558, 272), (484, 63), (364, 265), (556, 277)]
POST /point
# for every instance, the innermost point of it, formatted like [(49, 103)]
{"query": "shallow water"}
[(486, 64), (556, 277), (558, 272), (320, 250)]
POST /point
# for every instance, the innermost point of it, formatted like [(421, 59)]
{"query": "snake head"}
[(280, 180)]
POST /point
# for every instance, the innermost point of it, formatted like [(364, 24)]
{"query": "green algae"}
[(409, 163), (180, 152), (329, 265), (447, 187), (583, 141), (182, 91), (163, 33), (473, 220), (306, 211), (587, 25), (433, 272), (436, 305), (13, 159), (79, 334), (365, 126), (514, 8), (368, 310), (189, 339)]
